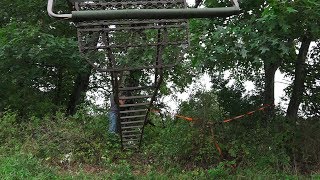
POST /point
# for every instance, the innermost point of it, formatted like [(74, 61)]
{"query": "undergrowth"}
[(59, 147)]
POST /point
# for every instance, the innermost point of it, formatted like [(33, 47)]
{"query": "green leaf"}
[(291, 10), (243, 53), (263, 49)]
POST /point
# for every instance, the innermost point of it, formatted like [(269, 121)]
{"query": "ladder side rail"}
[(158, 82)]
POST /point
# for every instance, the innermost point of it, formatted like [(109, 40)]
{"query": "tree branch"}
[(197, 3)]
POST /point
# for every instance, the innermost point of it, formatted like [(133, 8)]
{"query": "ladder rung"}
[(134, 110), (128, 139), (130, 117), (132, 122), (131, 145), (130, 127), (133, 131), (133, 142), (134, 88), (137, 104), (135, 97), (131, 135)]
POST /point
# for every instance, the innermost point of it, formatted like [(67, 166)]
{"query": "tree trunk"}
[(80, 88), (270, 69), (300, 75), (197, 3), (57, 97)]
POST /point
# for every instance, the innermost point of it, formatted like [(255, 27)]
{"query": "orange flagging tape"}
[(248, 113), (226, 120), (218, 148), (251, 112), (186, 118), (179, 116)]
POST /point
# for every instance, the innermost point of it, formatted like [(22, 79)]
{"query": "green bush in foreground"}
[(22, 166)]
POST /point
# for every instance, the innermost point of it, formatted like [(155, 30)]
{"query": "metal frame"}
[(52, 14), (147, 13), (97, 23)]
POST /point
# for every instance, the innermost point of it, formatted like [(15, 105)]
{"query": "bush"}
[(181, 150), (284, 145), (185, 143), (23, 166), (10, 132), (71, 140), (304, 146)]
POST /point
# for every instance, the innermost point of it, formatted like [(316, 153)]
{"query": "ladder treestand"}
[(124, 38)]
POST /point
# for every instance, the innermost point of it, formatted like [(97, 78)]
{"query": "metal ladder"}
[(133, 116)]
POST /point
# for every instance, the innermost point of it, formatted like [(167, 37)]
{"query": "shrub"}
[(10, 134), (23, 166), (71, 140)]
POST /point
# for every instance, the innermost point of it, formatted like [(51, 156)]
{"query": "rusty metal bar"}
[(132, 45), (176, 26), (130, 69), (159, 72)]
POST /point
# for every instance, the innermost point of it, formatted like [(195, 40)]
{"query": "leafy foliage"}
[(55, 146), (40, 74), (41, 69)]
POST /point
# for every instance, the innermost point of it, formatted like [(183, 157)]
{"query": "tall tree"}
[(39, 57), (303, 22), (261, 39), (299, 78), (311, 96), (244, 45)]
